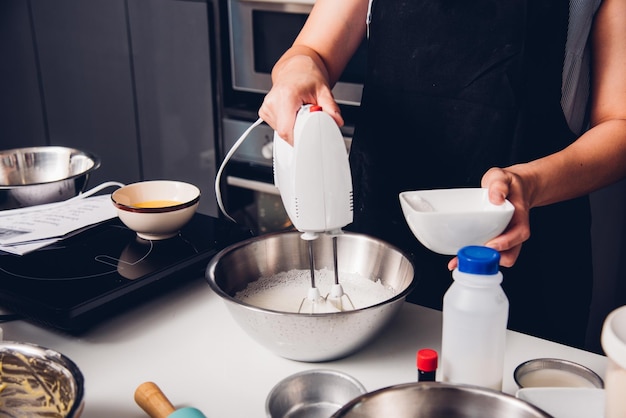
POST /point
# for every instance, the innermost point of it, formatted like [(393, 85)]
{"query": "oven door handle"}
[(257, 186)]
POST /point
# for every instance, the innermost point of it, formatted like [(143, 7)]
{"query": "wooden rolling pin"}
[(154, 402)]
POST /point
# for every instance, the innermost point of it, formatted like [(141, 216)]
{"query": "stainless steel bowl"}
[(38, 175), (554, 372), (314, 393), (310, 337), (435, 400), (39, 382)]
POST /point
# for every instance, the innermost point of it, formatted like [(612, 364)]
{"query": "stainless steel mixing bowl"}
[(39, 382), (38, 175), (436, 400), (319, 336), (316, 393)]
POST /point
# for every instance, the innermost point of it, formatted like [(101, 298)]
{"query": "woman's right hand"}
[(318, 56), (299, 78)]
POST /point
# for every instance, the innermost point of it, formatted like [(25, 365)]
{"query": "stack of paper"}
[(28, 229)]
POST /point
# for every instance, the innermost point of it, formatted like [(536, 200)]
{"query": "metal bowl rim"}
[(345, 376), (586, 373), (274, 391), (439, 385), (210, 275)]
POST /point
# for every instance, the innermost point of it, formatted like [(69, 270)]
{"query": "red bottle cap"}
[(427, 360)]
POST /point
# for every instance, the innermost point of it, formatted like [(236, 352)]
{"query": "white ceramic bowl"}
[(447, 220), (156, 209)]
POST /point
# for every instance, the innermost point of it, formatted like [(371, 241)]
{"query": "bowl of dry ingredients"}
[(38, 382), (265, 283)]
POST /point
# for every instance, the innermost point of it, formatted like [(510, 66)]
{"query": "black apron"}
[(454, 88)]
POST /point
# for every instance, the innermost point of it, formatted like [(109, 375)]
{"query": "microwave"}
[(260, 31)]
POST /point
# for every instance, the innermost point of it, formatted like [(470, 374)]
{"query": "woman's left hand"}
[(505, 183)]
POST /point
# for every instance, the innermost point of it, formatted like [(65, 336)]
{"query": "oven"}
[(252, 36)]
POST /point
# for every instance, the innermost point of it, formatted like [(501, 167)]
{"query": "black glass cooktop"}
[(102, 270)]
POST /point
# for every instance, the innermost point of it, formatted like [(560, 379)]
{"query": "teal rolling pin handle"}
[(154, 402)]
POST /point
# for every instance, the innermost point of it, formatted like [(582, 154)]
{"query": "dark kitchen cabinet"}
[(130, 80), (86, 79), (21, 111), (174, 92)]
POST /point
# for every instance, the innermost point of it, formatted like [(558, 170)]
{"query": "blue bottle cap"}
[(478, 260)]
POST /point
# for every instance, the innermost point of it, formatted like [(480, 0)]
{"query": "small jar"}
[(613, 340), (426, 362)]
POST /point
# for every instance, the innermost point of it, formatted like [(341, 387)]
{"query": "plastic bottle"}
[(426, 361), (475, 315)]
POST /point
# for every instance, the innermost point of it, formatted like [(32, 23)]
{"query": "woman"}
[(462, 94)]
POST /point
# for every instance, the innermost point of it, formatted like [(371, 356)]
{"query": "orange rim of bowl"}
[(162, 209)]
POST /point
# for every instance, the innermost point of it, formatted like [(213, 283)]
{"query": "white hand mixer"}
[(315, 184)]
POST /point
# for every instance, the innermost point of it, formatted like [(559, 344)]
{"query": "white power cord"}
[(218, 193), (88, 193)]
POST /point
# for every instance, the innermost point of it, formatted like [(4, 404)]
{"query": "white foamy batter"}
[(285, 291)]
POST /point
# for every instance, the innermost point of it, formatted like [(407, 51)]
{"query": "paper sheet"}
[(28, 229)]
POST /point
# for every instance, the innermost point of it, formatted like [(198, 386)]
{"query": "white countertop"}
[(189, 345)]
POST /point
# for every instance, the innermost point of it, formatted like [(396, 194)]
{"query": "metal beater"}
[(313, 300), (315, 184), (337, 297)]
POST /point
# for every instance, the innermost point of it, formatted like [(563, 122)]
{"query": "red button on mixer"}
[(315, 108)]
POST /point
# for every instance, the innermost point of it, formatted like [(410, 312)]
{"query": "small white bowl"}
[(446, 220), (156, 209)]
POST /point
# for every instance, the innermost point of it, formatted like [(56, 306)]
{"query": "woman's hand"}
[(507, 183), (306, 73), (298, 80)]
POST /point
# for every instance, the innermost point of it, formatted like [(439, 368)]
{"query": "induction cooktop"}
[(79, 281)]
